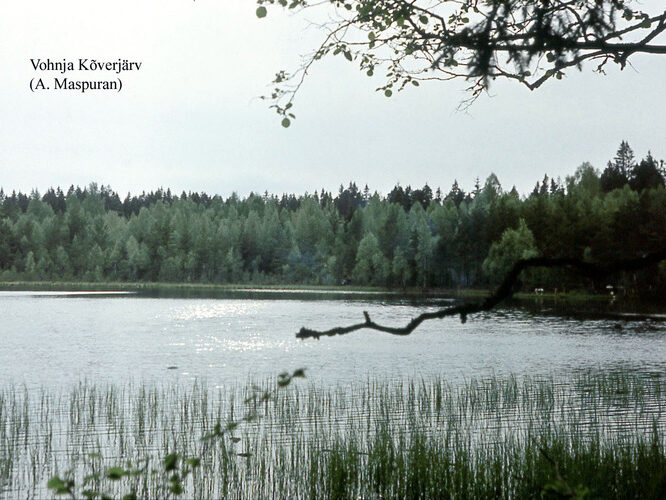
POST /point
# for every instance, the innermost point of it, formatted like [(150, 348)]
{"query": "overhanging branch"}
[(503, 292), (415, 40)]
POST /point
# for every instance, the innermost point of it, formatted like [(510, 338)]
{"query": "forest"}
[(408, 238)]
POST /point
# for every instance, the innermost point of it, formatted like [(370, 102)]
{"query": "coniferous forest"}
[(408, 238)]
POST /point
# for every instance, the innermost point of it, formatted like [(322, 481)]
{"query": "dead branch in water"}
[(503, 292)]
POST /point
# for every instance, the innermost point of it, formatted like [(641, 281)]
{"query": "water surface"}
[(55, 339)]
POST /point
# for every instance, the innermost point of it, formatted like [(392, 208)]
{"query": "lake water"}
[(130, 377), (52, 339)]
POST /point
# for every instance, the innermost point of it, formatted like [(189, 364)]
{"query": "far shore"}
[(139, 286)]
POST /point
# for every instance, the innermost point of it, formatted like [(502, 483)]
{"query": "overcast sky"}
[(190, 119)]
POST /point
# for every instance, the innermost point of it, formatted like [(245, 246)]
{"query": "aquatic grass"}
[(599, 432)]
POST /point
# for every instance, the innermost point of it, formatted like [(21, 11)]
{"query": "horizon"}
[(311, 192), (191, 117)]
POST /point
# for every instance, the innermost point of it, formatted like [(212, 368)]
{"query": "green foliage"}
[(407, 438), (412, 237), (60, 486), (515, 244), (522, 40), (371, 265), (175, 468)]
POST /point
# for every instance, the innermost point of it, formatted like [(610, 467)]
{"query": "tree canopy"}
[(411, 237), (522, 40)]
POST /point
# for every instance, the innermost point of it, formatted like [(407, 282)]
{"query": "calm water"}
[(134, 377), (54, 340)]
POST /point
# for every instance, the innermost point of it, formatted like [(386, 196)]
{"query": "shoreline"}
[(137, 286)]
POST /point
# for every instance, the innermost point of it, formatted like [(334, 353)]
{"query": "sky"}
[(191, 118)]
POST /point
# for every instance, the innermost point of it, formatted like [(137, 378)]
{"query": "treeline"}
[(411, 237)]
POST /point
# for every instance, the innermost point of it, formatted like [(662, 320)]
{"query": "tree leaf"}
[(261, 12), (115, 473), (170, 462), (55, 483)]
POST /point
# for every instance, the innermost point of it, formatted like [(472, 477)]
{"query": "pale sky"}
[(191, 119)]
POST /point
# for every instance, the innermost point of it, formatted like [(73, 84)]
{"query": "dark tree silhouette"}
[(646, 174), (616, 174)]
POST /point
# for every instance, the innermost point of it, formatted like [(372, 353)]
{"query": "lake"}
[(56, 339), (90, 381)]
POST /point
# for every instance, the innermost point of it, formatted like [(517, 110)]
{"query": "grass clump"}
[(596, 435)]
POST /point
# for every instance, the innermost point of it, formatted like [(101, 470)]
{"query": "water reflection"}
[(135, 337), (214, 309), (63, 293), (528, 365)]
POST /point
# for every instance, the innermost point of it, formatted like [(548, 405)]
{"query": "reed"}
[(595, 433)]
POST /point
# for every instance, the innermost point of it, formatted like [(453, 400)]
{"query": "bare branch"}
[(503, 292)]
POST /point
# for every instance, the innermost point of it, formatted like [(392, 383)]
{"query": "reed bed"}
[(595, 433)]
